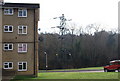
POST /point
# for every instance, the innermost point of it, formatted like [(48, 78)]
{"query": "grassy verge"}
[(72, 75), (77, 75)]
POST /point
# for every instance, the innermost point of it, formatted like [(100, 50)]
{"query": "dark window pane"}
[(20, 31), (10, 46), (5, 63), (24, 29), (24, 65), (6, 29), (20, 13), (10, 10), (5, 47), (24, 13), (10, 28), (10, 65), (20, 63), (6, 66), (20, 67)]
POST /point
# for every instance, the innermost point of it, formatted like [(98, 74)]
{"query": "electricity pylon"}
[(63, 30), (62, 25)]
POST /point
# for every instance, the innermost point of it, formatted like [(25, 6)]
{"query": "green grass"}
[(72, 75), (78, 75)]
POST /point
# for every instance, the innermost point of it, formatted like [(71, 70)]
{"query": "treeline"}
[(77, 51)]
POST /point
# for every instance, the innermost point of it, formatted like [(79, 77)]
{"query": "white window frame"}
[(7, 65), (22, 29), (22, 48), (8, 11), (22, 66), (8, 46), (22, 10), (8, 28)]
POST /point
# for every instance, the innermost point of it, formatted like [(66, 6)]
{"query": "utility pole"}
[(46, 55), (1, 3), (46, 64)]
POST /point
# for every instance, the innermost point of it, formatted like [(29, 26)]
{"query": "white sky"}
[(82, 12)]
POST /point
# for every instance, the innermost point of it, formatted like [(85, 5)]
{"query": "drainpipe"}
[(34, 45)]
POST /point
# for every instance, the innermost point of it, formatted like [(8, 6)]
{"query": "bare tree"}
[(72, 27), (114, 30), (88, 29), (96, 27)]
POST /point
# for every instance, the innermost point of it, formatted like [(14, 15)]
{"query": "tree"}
[(77, 51)]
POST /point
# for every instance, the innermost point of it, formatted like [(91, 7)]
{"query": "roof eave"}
[(21, 5)]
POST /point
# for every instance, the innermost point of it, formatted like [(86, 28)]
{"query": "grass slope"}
[(77, 75), (72, 75)]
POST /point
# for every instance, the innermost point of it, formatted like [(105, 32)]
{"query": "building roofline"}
[(21, 5)]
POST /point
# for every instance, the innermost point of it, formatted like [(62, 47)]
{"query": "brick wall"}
[(15, 38)]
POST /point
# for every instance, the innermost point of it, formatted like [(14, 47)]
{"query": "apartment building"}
[(20, 38)]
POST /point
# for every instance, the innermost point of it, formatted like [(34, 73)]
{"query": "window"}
[(8, 46), (22, 66), (8, 28), (8, 11), (22, 29), (22, 12), (8, 65), (22, 47)]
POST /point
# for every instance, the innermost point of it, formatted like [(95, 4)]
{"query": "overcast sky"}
[(82, 12)]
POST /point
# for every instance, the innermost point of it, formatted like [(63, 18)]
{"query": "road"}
[(87, 71)]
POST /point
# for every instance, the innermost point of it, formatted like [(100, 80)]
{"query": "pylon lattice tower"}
[(62, 26)]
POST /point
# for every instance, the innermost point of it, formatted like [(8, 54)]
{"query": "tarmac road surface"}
[(87, 71)]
